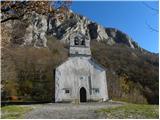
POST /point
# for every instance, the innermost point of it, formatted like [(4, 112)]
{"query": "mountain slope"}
[(35, 27), (132, 75), (35, 44)]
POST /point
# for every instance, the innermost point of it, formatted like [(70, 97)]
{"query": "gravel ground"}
[(68, 110)]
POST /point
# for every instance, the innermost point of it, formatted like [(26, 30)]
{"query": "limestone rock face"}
[(34, 28), (63, 30), (28, 31), (121, 38)]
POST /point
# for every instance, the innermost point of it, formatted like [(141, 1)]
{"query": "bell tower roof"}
[(79, 44)]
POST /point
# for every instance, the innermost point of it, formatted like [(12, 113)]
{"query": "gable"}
[(81, 63)]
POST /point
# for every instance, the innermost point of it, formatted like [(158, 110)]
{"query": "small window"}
[(76, 53), (96, 90), (82, 78), (66, 91), (76, 41), (83, 42)]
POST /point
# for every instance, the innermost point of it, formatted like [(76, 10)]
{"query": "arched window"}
[(79, 40), (83, 42), (76, 41)]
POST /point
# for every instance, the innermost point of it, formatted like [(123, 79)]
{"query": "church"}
[(80, 78)]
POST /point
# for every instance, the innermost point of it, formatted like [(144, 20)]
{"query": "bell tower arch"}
[(79, 44)]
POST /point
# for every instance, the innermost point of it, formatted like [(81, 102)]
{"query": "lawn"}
[(14, 111), (131, 111)]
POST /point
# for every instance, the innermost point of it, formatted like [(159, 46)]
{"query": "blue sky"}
[(131, 17)]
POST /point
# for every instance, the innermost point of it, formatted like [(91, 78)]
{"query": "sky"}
[(131, 17)]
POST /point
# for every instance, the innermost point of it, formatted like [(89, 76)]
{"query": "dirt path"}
[(68, 111)]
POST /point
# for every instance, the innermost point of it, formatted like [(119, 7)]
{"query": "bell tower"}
[(79, 45)]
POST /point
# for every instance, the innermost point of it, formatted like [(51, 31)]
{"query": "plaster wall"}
[(78, 72)]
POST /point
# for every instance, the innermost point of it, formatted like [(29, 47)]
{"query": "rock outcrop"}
[(36, 30), (37, 26)]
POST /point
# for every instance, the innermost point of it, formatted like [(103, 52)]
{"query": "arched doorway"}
[(83, 95)]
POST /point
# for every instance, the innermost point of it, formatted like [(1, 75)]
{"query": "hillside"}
[(34, 44), (132, 75)]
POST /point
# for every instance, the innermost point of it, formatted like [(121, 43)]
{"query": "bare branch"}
[(10, 18), (151, 28), (148, 6)]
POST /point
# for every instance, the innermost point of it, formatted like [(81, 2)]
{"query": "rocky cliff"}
[(35, 28)]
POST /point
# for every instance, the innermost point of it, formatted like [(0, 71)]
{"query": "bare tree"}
[(16, 9)]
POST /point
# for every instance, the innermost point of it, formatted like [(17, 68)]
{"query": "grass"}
[(131, 111), (13, 111)]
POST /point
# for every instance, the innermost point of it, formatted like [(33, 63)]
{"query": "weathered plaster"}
[(74, 74)]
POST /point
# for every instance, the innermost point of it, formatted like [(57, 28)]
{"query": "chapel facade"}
[(80, 78)]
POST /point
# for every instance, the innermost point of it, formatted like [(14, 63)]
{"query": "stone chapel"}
[(80, 78)]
